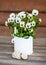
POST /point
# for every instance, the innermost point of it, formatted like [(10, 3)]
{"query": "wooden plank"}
[(43, 17), (5, 15), (6, 49), (18, 5), (33, 57), (8, 55), (21, 62), (38, 57), (4, 31), (40, 32)]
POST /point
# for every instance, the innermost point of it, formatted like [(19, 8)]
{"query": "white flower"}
[(6, 23), (28, 25), (12, 15), (22, 24), (33, 23), (31, 30), (21, 14), (11, 19), (40, 19), (35, 12), (29, 16), (18, 20)]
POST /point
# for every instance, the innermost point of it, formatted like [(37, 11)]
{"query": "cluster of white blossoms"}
[(17, 18), (10, 19), (20, 19)]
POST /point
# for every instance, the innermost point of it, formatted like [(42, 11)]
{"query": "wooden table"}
[(37, 58)]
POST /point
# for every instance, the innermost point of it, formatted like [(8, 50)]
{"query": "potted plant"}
[(23, 27)]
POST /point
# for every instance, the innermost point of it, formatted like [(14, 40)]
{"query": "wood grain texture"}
[(6, 48), (20, 62), (19, 5), (41, 32), (38, 57), (4, 31)]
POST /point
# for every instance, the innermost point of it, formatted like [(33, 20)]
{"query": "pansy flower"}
[(21, 15), (22, 24), (12, 15), (17, 20), (28, 25), (33, 23), (11, 19), (35, 12)]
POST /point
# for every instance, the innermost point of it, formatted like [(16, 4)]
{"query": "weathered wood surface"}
[(38, 57), (18, 5), (6, 48)]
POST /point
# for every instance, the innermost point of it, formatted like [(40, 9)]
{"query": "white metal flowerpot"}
[(22, 45)]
